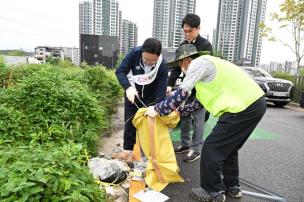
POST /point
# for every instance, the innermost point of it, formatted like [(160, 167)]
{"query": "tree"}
[(290, 18)]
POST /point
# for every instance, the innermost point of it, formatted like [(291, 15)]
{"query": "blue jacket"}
[(155, 91)]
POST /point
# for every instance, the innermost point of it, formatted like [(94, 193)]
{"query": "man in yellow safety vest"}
[(228, 93)]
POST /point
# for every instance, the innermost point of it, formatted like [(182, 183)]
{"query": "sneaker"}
[(234, 192), (200, 194), (191, 156), (181, 149)]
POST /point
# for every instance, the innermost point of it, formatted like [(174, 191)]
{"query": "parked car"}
[(277, 91)]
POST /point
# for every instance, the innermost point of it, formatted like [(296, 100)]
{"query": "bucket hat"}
[(182, 52)]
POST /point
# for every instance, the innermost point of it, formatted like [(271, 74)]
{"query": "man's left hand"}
[(151, 112)]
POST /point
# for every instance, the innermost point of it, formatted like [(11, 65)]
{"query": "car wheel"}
[(280, 104)]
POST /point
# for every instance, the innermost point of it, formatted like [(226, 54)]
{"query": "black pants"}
[(130, 130), (220, 150)]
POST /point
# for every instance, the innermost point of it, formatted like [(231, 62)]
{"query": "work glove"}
[(169, 89), (131, 93), (151, 112)]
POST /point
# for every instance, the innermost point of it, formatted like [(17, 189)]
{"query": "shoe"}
[(234, 192), (191, 156), (181, 149), (200, 194)]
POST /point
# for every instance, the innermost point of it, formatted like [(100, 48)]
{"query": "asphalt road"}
[(273, 158)]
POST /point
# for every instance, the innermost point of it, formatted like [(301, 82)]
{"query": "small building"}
[(57, 53), (42, 53), (99, 49)]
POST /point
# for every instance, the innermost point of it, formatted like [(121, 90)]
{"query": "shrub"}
[(104, 85), (299, 88), (2, 64), (46, 111), (283, 75), (46, 173), (56, 109), (10, 75), (12, 124), (297, 81)]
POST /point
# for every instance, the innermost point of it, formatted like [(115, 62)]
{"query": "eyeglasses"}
[(149, 58)]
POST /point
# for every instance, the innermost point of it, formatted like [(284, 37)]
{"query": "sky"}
[(25, 24)]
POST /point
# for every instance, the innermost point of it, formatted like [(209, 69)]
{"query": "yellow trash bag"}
[(154, 138)]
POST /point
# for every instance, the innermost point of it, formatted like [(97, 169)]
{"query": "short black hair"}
[(192, 20), (152, 45)]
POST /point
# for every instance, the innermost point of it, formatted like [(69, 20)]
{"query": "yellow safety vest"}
[(232, 90)]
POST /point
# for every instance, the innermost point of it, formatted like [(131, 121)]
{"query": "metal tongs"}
[(140, 102)]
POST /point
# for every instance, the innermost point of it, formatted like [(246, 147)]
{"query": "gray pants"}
[(198, 129)]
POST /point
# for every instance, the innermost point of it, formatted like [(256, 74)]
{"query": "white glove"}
[(169, 89), (131, 93), (151, 112)]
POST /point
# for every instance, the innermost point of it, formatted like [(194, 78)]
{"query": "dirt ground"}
[(114, 140)]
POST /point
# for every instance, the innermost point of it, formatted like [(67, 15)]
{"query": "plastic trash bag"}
[(155, 141), (110, 171)]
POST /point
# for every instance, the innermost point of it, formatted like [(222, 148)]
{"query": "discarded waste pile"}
[(149, 170)]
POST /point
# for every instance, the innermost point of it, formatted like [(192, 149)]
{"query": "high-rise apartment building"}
[(103, 17), (167, 19), (97, 17), (161, 21), (86, 17), (110, 18), (128, 38), (238, 36)]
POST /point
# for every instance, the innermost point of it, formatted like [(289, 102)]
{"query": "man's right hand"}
[(169, 89), (131, 93)]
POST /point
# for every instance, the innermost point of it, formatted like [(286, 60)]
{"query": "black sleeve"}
[(175, 72), (161, 86), (123, 70), (205, 45)]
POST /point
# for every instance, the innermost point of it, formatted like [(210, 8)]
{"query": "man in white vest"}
[(143, 75)]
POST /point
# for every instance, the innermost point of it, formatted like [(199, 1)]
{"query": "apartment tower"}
[(238, 37), (167, 19), (103, 17), (86, 17), (128, 35)]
